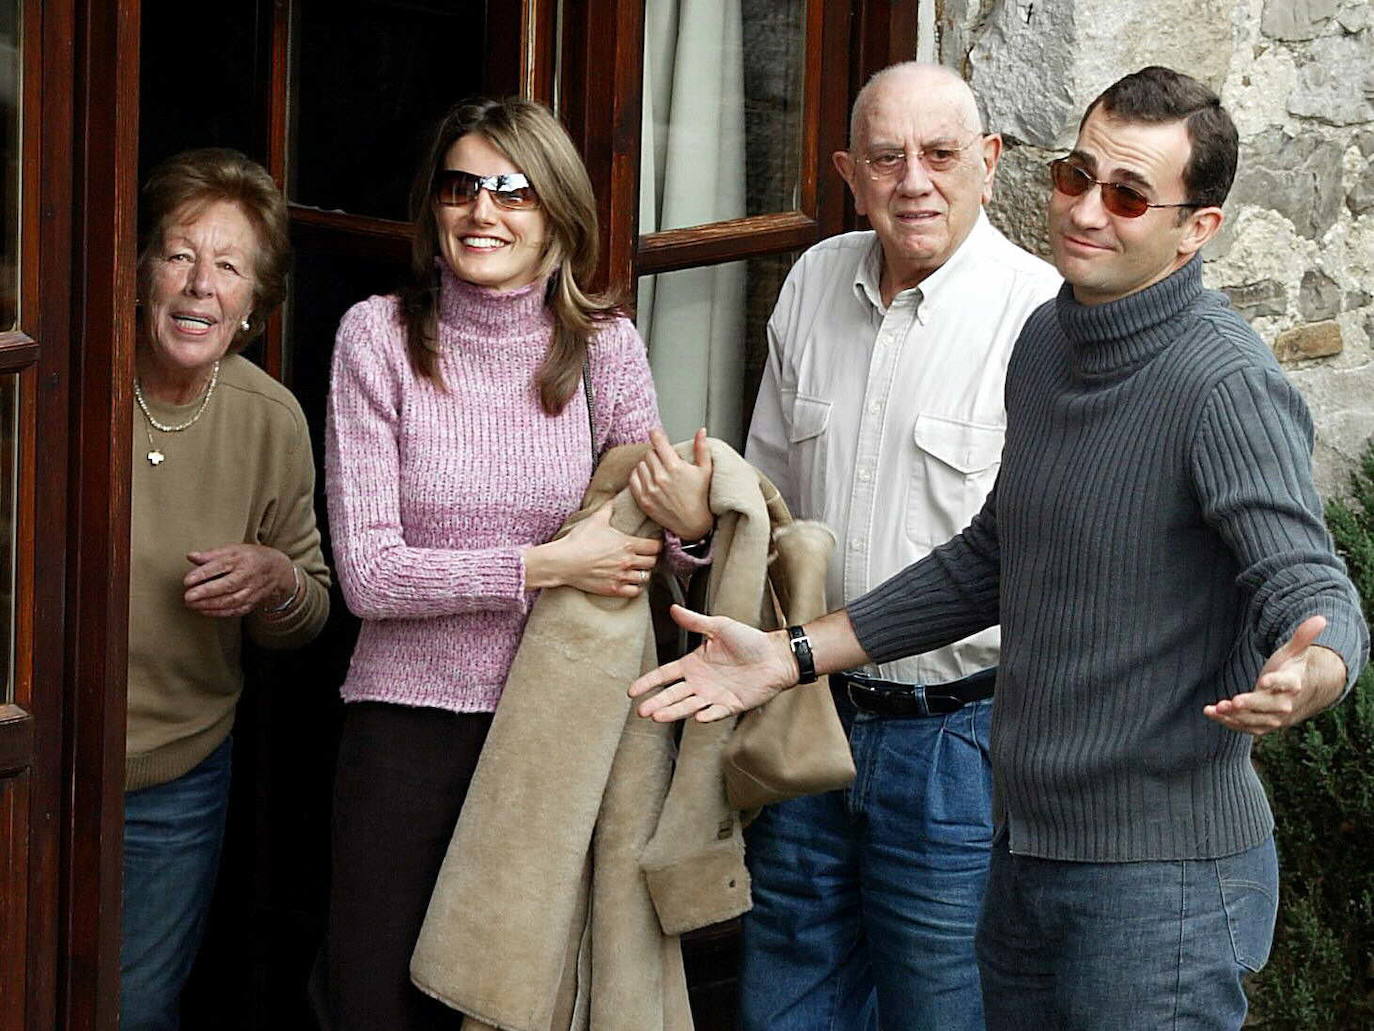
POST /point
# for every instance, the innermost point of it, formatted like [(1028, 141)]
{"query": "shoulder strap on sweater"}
[(591, 409)]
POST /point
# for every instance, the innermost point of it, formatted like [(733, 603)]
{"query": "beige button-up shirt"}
[(887, 423)]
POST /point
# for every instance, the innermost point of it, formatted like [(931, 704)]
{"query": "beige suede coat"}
[(590, 839)]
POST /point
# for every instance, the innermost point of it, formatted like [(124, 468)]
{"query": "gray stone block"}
[(1355, 15), (1319, 297), (1253, 300), (1335, 85), (1361, 196), (1023, 70), (1297, 176), (1020, 197), (1295, 19)]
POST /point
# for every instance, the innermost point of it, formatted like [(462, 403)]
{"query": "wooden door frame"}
[(88, 120), (46, 233)]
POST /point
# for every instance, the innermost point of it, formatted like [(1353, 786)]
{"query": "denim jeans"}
[(866, 900), (172, 838), (1124, 946)]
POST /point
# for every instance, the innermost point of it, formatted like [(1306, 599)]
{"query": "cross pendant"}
[(156, 457)]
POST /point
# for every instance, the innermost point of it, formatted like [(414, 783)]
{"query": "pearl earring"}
[(245, 326)]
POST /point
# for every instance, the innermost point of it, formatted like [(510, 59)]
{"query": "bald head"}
[(916, 84), (919, 166)]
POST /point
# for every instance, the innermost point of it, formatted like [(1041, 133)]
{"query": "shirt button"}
[(856, 544), (865, 475), (875, 408)]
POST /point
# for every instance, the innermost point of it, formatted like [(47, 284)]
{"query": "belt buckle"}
[(862, 696), (940, 704)]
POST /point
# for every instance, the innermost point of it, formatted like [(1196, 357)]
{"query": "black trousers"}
[(402, 777)]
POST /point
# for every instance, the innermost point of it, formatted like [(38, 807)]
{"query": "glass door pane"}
[(226, 105), (722, 110), (9, 525), (706, 329), (355, 145)]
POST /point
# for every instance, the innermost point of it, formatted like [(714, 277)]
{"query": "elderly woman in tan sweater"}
[(223, 542)]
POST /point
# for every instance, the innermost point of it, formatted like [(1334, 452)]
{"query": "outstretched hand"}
[(736, 668), (1299, 680)]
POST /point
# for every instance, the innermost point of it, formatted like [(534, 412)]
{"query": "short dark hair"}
[(195, 179), (1156, 94)]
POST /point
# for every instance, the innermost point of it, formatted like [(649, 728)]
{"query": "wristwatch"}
[(801, 649)]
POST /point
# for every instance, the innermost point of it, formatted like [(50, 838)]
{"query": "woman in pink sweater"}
[(459, 438)]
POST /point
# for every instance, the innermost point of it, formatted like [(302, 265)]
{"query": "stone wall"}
[(1297, 250)]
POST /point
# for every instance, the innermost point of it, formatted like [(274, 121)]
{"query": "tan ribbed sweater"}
[(244, 473)]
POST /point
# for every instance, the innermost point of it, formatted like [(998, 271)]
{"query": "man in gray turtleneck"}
[(1155, 553)]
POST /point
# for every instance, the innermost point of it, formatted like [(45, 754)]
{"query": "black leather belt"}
[(889, 698)]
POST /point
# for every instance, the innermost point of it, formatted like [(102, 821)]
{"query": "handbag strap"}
[(591, 408)]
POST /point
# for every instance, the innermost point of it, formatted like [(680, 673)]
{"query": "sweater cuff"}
[(684, 562), (1347, 635), (865, 616)]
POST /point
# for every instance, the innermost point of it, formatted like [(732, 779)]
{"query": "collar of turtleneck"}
[(1115, 338), (481, 312)]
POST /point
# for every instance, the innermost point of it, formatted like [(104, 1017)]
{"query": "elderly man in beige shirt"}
[(881, 413)]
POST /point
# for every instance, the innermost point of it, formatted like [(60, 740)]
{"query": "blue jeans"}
[(866, 900), (172, 838), (1124, 946)]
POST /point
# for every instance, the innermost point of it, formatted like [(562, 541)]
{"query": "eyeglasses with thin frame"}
[(937, 157), (1118, 198), (511, 190)]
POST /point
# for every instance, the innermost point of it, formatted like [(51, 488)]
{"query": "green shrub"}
[(1321, 781)]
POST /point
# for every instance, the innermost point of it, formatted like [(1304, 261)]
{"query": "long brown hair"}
[(532, 138)]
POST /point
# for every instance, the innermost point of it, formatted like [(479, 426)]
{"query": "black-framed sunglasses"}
[(1118, 198), (511, 190)]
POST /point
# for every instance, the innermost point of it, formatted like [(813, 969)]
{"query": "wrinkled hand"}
[(1298, 681), (736, 668), (594, 557), (237, 579), (673, 492)]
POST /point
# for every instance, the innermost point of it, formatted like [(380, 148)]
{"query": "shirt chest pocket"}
[(807, 452), (953, 466)]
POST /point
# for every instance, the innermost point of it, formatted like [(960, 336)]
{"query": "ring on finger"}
[(643, 576)]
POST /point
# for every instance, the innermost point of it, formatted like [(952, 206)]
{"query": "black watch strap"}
[(801, 648)]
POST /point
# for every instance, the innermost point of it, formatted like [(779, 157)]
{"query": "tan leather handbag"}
[(794, 745)]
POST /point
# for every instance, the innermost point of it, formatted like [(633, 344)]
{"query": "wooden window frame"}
[(530, 25), (593, 76), (601, 103)]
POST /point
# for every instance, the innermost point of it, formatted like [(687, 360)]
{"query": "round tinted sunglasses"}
[(511, 190), (1117, 198)]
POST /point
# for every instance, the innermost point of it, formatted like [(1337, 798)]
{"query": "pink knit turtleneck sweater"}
[(433, 494)]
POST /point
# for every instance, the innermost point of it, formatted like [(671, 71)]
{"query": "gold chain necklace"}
[(155, 456)]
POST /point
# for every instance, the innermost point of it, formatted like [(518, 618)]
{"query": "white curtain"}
[(692, 170)]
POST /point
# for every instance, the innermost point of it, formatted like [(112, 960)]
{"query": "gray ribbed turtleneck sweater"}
[(1153, 536)]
